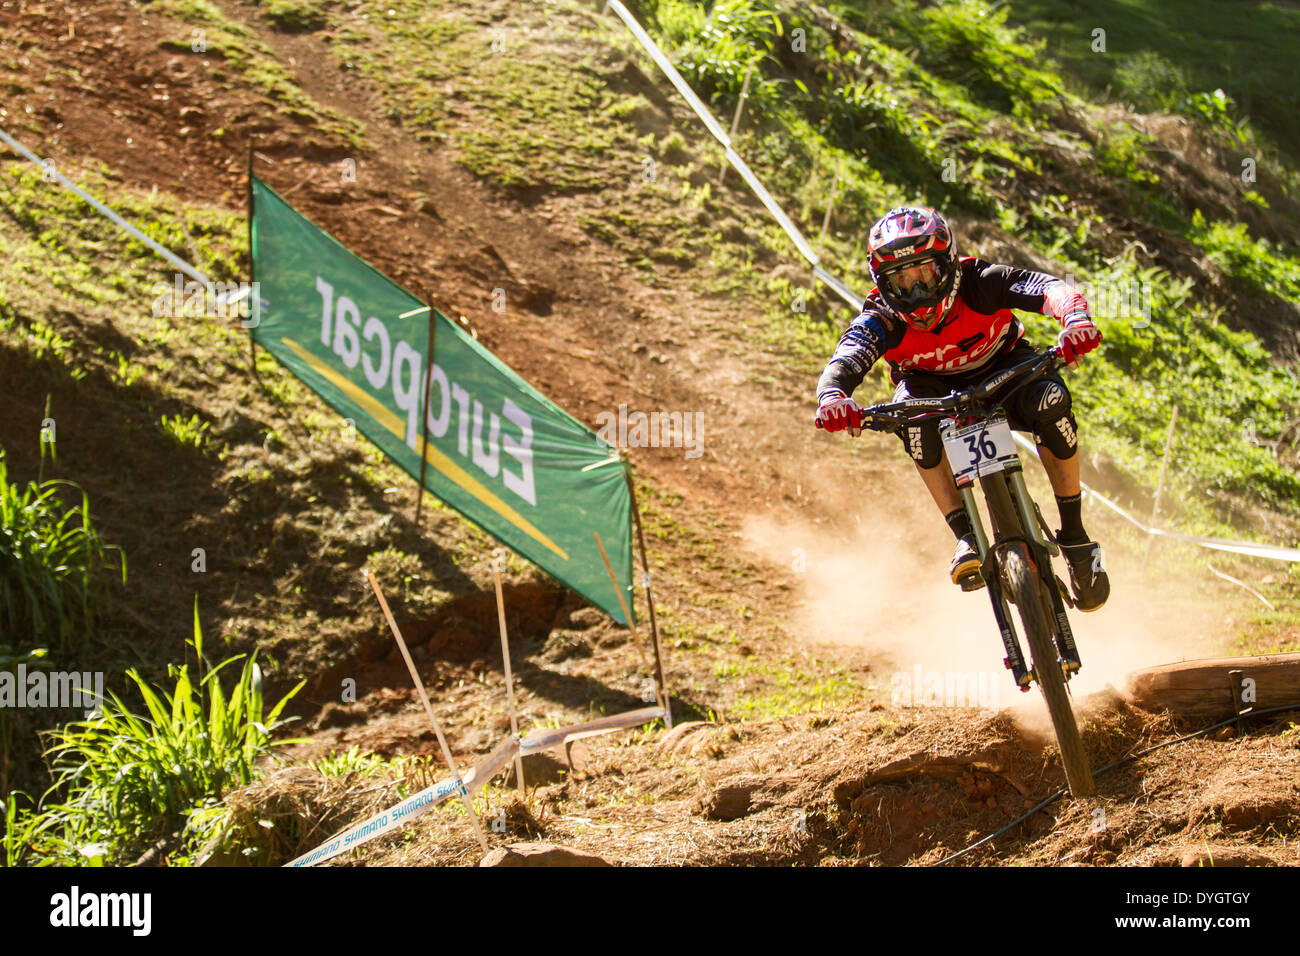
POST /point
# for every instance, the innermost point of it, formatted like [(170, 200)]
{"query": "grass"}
[(503, 79), (794, 690), (221, 39), (1159, 50), (189, 432), (1255, 263), (192, 744), (53, 565), (51, 242), (295, 16)]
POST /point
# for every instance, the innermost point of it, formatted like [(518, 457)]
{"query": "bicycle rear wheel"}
[(1027, 588)]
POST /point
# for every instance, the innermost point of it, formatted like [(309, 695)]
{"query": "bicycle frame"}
[(1017, 524)]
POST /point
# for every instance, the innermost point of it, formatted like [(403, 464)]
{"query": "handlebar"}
[(893, 415)]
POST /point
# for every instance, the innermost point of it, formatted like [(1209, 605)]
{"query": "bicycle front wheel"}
[(1027, 588)]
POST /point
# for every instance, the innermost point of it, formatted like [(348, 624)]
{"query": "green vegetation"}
[(49, 242), (1171, 54), (189, 432), (1225, 384), (195, 744), (793, 690), (294, 16), (1256, 262), (214, 35), (53, 565), (533, 124)]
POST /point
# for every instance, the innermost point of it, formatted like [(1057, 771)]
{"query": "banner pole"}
[(649, 595), (498, 565), (618, 592), (252, 261), (830, 205), (428, 709), (424, 415), (735, 121)]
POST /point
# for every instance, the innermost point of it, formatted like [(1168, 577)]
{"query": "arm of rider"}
[(861, 344), (1078, 334), (838, 411)]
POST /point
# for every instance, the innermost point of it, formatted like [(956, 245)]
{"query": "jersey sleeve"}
[(861, 345), (988, 286)]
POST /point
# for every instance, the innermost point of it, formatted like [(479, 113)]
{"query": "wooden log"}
[(1203, 690)]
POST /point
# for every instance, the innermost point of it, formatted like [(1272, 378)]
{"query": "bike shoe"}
[(966, 566), (1088, 577)]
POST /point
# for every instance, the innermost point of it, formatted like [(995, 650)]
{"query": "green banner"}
[(499, 452)]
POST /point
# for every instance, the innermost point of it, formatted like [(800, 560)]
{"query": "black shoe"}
[(1088, 578), (966, 566)]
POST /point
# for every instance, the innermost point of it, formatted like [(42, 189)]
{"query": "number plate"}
[(984, 448)]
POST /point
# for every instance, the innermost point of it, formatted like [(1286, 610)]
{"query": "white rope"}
[(47, 168)]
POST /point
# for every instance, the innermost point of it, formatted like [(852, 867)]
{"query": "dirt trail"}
[(821, 546)]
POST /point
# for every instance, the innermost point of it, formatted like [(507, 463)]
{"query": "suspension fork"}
[(1044, 548), (1015, 659)]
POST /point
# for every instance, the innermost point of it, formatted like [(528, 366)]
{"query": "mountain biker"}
[(944, 323)]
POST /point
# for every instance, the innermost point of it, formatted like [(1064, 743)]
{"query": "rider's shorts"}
[(1041, 408)]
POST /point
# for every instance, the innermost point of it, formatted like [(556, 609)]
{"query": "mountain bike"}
[(1016, 563)]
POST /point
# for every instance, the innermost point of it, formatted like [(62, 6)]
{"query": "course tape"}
[(107, 213), (740, 166), (1250, 548), (545, 739), (400, 814)]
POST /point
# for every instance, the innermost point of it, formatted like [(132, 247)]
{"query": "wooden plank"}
[(1202, 689)]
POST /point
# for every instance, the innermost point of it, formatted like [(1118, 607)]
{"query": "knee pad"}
[(1048, 402), (1059, 437), (1046, 406), (922, 442)]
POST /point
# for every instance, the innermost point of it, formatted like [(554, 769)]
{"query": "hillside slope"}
[(795, 575)]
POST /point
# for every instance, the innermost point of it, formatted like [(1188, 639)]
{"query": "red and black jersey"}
[(980, 327)]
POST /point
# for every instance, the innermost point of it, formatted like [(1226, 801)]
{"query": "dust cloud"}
[(874, 575)]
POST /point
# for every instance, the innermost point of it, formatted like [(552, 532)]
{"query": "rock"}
[(673, 739), (561, 645), (335, 714), (1213, 855), (727, 803), (191, 114), (585, 617), (540, 854), (552, 766)]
